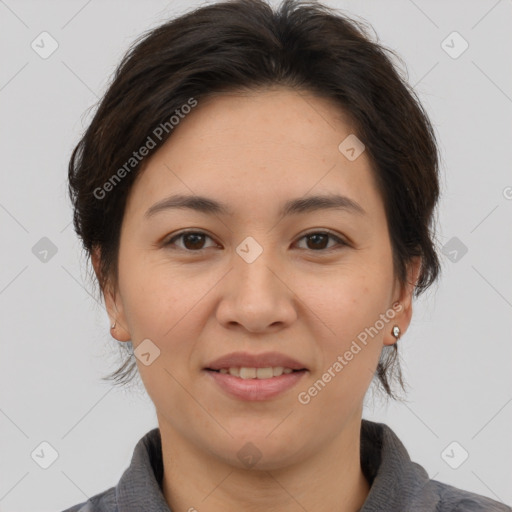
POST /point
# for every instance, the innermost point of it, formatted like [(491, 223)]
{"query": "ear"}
[(404, 296), (114, 307)]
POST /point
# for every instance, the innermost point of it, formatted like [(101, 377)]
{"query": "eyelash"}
[(339, 241)]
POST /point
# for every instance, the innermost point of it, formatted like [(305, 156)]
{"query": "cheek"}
[(350, 331), (164, 307), (161, 307), (350, 353), (155, 297), (349, 304)]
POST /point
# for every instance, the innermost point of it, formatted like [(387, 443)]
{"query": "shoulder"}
[(138, 485), (398, 483), (102, 502), (453, 499)]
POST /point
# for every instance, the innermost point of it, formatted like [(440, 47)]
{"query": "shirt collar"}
[(140, 485), (395, 480)]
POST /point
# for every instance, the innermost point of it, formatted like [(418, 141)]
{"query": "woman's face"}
[(251, 283)]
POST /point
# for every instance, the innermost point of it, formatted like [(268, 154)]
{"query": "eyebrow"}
[(292, 207)]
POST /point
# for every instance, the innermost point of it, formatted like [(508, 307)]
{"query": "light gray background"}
[(55, 342)]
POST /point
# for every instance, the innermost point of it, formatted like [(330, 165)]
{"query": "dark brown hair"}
[(245, 45)]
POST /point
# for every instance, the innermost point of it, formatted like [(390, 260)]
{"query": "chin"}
[(257, 451)]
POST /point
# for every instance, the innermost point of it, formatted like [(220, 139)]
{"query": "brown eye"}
[(193, 241), (318, 241)]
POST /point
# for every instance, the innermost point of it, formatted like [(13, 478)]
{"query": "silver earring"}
[(113, 326), (396, 332)]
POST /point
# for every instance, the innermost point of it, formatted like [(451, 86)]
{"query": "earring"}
[(396, 332), (113, 326)]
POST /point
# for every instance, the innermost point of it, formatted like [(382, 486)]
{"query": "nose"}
[(256, 296)]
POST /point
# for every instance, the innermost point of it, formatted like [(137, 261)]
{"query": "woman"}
[(256, 192)]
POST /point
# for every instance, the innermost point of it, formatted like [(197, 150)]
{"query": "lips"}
[(246, 360), (255, 377)]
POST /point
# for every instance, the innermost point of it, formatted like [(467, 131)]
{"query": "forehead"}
[(273, 116), (249, 148)]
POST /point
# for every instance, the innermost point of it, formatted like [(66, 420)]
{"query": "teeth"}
[(278, 370), (234, 371), (256, 373), (247, 373), (264, 373)]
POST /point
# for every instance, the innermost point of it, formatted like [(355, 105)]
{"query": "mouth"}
[(249, 366), (247, 373), (255, 377), (248, 388)]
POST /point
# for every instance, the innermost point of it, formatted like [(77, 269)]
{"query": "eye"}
[(193, 240), (319, 238)]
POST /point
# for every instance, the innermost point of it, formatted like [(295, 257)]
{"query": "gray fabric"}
[(397, 483)]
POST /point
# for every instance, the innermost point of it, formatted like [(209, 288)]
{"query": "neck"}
[(331, 479)]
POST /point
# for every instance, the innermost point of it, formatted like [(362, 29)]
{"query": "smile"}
[(255, 384), (255, 373)]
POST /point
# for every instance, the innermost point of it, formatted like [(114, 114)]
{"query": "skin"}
[(254, 151)]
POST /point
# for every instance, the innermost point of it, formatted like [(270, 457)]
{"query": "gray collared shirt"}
[(397, 483)]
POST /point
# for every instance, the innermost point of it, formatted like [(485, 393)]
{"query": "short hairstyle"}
[(245, 45)]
